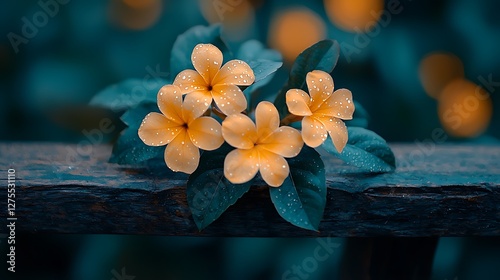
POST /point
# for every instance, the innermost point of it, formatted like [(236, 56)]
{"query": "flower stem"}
[(207, 113), (290, 119)]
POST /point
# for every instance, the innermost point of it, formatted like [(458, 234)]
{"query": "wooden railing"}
[(448, 190)]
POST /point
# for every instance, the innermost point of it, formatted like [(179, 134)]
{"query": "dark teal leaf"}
[(209, 193), (180, 57), (262, 68), (360, 117), (320, 56), (302, 197), (129, 148), (129, 93), (264, 62), (264, 71), (365, 149)]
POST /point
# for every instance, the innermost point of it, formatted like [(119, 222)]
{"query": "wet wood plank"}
[(447, 190)]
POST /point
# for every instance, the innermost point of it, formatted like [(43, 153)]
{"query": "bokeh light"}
[(465, 109), (354, 15), (295, 30), (235, 16), (438, 69), (140, 4), (135, 14), (227, 11)]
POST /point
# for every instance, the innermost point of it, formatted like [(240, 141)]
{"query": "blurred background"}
[(416, 66)]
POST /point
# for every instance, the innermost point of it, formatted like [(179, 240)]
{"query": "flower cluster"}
[(185, 124)]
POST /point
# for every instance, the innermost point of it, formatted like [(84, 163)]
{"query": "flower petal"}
[(157, 130), (207, 60), (169, 102), (320, 85), (189, 81), (267, 119), (229, 99), (298, 102), (314, 132), (339, 105), (235, 72), (285, 141), (195, 104), (239, 131), (240, 166), (206, 133), (337, 130), (182, 155), (273, 168)]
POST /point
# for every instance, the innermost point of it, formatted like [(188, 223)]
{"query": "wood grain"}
[(446, 190)]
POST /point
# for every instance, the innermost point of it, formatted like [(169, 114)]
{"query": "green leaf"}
[(365, 149), (209, 193), (127, 94), (129, 148), (301, 199), (180, 57), (360, 117), (320, 56)]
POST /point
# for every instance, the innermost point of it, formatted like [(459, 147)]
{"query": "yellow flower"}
[(211, 81), (259, 147), (182, 128), (323, 110)]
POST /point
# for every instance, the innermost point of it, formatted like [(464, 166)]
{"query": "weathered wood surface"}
[(448, 190)]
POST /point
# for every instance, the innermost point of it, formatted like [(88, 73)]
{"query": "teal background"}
[(46, 85)]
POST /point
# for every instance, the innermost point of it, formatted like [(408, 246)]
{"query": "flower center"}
[(209, 88)]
